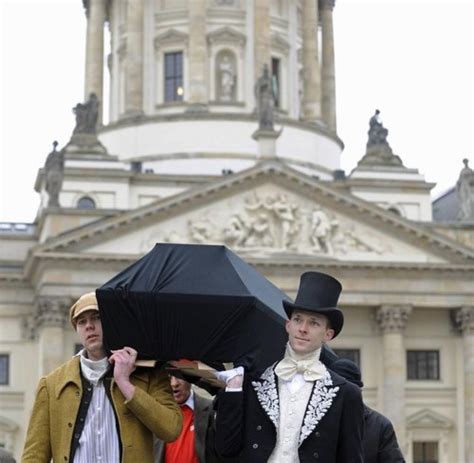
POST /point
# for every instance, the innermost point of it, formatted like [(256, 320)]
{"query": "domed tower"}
[(183, 77)]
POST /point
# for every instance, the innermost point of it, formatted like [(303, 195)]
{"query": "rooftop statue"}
[(53, 169), (465, 192), (377, 132), (87, 115), (265, 100), (378, 151)]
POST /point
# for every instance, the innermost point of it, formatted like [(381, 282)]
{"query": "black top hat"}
[(319, 293), (349, 370)]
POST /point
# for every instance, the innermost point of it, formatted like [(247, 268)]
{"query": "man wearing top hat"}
[(297, 410)]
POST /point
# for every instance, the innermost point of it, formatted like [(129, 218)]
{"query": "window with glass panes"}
[(425, 452), (423, 364), (350, 354), (174, 76), (4, 369)]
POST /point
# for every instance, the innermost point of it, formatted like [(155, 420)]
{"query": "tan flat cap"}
[(87, 301)]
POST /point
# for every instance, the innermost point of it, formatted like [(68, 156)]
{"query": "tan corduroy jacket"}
[(152, 410)]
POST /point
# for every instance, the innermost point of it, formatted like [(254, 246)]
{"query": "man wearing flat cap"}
[(99, 409), (298, 410)]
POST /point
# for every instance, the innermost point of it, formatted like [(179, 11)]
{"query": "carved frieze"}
[(270, 221)]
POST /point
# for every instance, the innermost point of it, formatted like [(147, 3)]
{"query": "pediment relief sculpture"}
[(272, 222)]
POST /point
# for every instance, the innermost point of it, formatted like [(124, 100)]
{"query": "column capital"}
[(393, 318), (327, 4), (52, 311), (463, 319)]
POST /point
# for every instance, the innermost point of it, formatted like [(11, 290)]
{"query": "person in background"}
[(99, 409), (195, 444), (380, 442)]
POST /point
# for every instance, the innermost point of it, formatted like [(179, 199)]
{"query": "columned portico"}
[(134, 59), (328, 71), (94, 77), (465, 322), (262, 36), (51, 318), (311, 71), (392, 321), (197, 53)]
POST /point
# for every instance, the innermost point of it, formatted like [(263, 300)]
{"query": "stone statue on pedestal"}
[(54, 172), (265, 100), (465, 192), (378, 151)]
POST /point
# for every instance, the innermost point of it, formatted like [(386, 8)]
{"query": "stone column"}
[(134, 58), (198, 95), (311, 71), (392, 320), (328, 71), (94, 77), (262, 37), (51, 317), (464, 318)]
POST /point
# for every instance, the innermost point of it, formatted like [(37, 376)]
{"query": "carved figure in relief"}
[(260, 233), (227, 79), (236, 232), (285, 213), (200, 230), (321, 231)]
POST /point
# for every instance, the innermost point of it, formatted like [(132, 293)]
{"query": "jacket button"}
[(70, 425), (78, 393), (65, 458), (255, 446), (316, 455), (317, 434), (259, 428)]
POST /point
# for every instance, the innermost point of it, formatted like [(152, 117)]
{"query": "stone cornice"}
[(393, 318), (269, 171), (206, 116)]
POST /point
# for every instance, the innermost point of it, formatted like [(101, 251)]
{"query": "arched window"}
[(86, 202)]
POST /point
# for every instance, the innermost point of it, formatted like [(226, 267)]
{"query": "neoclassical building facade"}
[(194, 153)]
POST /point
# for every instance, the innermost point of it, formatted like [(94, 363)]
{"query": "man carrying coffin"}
[(99, 409), (297, 410)]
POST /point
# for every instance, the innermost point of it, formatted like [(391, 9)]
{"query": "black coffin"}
[(198, 302)]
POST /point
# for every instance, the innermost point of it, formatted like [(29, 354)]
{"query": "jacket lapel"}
[(267, 394), (322, 396), (70, 374)]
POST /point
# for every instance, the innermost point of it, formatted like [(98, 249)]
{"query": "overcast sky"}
[(412, 59)]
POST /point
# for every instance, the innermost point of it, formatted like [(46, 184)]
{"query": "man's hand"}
[(124, 365), (233, 378)]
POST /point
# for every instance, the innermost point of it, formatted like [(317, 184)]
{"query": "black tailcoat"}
[(331, 431)]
